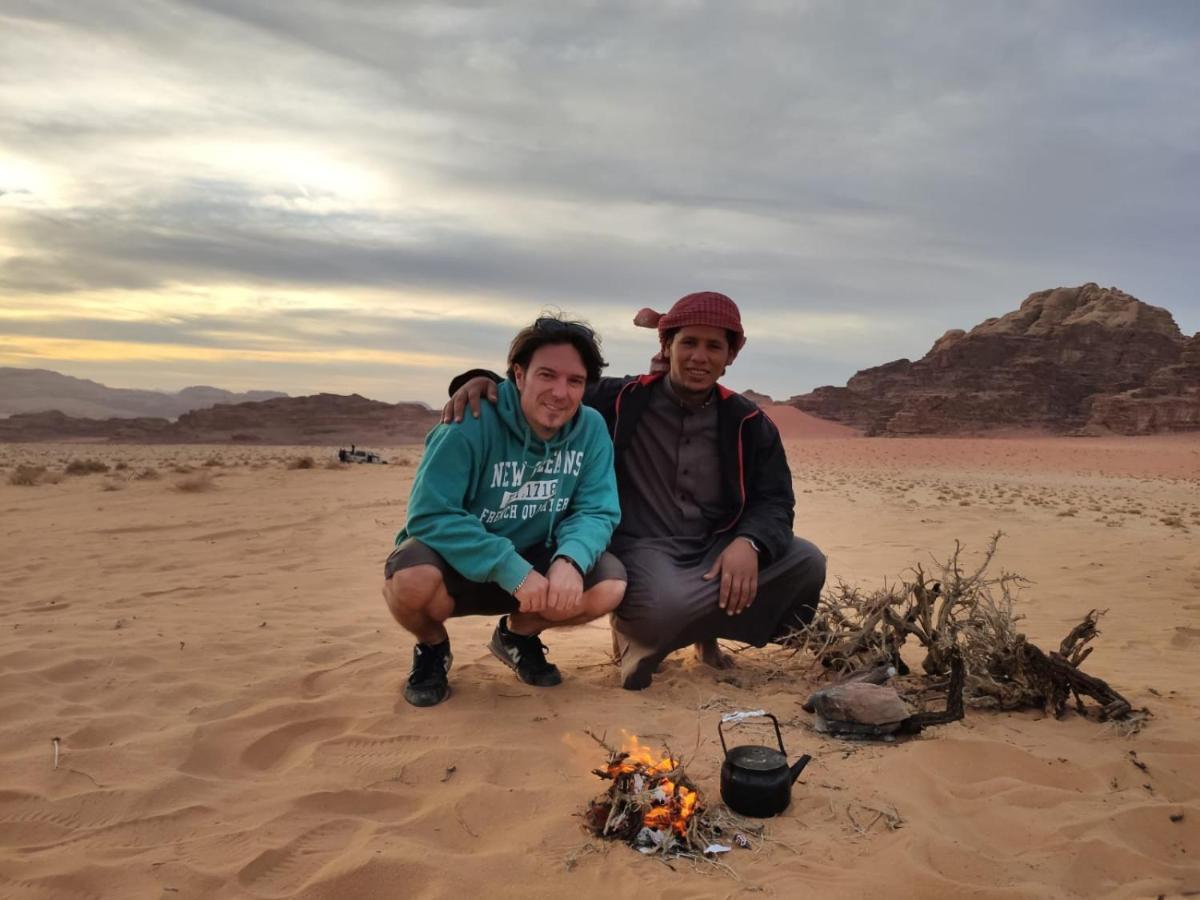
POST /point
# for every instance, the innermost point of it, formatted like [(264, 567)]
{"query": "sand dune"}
[(795, 425), (225, 684)]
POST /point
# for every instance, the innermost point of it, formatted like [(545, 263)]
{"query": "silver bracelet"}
[(522, 582), (752, 542)]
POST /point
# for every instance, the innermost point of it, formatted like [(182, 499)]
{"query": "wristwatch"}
[(574, 564), (752, 542)]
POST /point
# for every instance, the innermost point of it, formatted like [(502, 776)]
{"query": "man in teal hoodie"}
[(510, 515)]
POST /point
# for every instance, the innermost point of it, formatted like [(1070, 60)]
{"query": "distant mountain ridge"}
[(320, 419), (42, 390), (1071, 359)]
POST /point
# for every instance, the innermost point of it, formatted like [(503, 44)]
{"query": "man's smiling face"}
[(551, 388), (698, 355)]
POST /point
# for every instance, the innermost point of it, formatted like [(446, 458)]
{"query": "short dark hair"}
[(549, 330), (731, 337)]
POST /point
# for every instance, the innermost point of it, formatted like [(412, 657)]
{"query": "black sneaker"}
[(427, 682), (525, 655)]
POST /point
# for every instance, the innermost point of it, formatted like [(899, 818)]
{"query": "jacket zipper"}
[(741, 474)]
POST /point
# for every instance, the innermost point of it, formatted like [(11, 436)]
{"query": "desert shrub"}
[(302, 462), (150, 474), (196, 484), (182, 469), (213, 461), (85, 467), (26, 476), (112, 486), (121, 466)]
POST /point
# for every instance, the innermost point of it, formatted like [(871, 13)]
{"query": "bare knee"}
[(603, 598), (413, 589)]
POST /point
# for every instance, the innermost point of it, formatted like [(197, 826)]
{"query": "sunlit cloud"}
[(368, 197), (35, 349)]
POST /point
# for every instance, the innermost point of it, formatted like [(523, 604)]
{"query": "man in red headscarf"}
[(706, 498)]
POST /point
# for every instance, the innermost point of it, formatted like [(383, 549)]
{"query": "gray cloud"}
[(923, 164)]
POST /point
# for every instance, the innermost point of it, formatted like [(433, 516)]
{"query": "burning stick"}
[(651, 805)]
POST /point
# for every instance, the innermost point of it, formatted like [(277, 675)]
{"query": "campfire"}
[(653, 806)]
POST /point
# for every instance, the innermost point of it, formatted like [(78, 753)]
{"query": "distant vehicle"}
[(354, 455)]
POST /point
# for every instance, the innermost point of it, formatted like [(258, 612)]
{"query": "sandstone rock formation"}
[(1070, 358), (756, 397), (1169, 401), (320, 419)]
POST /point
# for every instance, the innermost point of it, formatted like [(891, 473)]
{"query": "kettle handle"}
[(738, 717)]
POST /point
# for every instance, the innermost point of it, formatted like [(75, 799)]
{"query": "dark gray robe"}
[(670, 501)]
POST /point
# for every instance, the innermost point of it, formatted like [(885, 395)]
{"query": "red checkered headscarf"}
[(705, 308)]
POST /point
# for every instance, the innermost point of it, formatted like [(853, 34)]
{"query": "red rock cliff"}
[(1069, 358)]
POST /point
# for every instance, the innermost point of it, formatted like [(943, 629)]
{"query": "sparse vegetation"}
[(196, 484), (302, 462), (26, 476), (85, 467), (150, 474), (968, 613)]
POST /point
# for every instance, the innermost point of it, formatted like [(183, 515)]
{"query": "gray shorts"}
[(474, 598)]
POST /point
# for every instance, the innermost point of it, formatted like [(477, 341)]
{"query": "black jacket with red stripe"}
[(756, 482)]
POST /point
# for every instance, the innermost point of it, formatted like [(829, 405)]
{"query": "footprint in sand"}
[(374, 757), (1185, 637), (285, 744), (284, 871)]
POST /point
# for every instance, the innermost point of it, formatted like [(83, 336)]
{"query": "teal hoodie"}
[(488, 488)]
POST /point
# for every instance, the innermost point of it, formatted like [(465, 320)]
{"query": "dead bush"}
[(196, 484), (26, 476), (85, 467), (302, 462), (968, 613), (150, 474)]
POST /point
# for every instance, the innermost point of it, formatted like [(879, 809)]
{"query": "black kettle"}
[(757, 781)]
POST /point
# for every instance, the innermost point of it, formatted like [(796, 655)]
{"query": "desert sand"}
[(210, 649)]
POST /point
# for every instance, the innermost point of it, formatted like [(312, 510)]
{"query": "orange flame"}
[(680, 802)]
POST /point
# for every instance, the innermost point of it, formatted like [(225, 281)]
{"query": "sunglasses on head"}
[(553, 327)]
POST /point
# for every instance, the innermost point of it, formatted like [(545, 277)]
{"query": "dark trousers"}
[(669, 605)]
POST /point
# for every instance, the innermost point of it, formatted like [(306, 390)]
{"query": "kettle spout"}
[(798, 766)]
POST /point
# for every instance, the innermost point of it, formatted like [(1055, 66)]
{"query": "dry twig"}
[(955, 610)]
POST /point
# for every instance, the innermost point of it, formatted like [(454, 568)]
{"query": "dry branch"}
[(954, 611)]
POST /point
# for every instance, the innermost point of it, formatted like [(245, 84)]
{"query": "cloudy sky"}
[(370, 196)]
